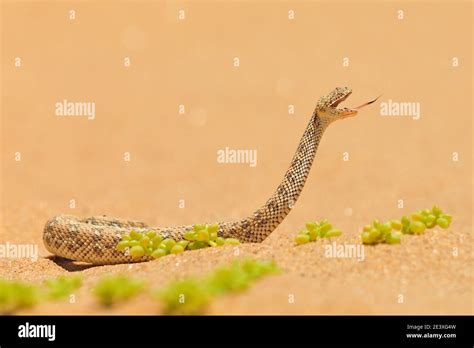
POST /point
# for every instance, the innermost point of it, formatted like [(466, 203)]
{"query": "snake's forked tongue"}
[(368, 103), (348, 112)]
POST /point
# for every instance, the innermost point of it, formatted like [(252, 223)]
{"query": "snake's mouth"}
[(344, 112), (348, 112)]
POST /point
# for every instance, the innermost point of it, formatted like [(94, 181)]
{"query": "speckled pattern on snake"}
[(93, 239)]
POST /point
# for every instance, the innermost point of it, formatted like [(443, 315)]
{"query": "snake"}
[(94, 239)]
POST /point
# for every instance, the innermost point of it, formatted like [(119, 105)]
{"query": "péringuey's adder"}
[(94, 239)]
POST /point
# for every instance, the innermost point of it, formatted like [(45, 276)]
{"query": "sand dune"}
[(173, 155)]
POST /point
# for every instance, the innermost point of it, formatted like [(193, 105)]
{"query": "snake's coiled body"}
[(94, 239)]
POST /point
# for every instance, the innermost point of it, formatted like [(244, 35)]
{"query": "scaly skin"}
[(94, 239)]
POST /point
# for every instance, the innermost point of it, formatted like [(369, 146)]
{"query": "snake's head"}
[(327, 107)]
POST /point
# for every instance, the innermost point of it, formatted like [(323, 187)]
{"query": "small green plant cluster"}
[(113, 289), (426, 218), (152, 244), (203, 236), (239, 275), (390, 232), (62, 286), (17, 295), (188, 296), (192, 296), (315, 230)]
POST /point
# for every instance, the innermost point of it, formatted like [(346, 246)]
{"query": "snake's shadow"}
[(69, 265)]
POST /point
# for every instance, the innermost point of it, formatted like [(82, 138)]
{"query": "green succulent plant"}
[(150, 244)]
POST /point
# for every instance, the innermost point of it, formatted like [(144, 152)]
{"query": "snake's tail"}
[(71, 238)]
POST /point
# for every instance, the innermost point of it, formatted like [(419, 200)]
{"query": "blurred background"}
[(289, 53)]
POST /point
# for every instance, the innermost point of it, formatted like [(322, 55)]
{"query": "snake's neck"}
[(264, 220)]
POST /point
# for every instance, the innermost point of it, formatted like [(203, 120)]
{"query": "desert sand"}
[(173, 155)]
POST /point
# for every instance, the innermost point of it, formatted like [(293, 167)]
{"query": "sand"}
[(173, 156)]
